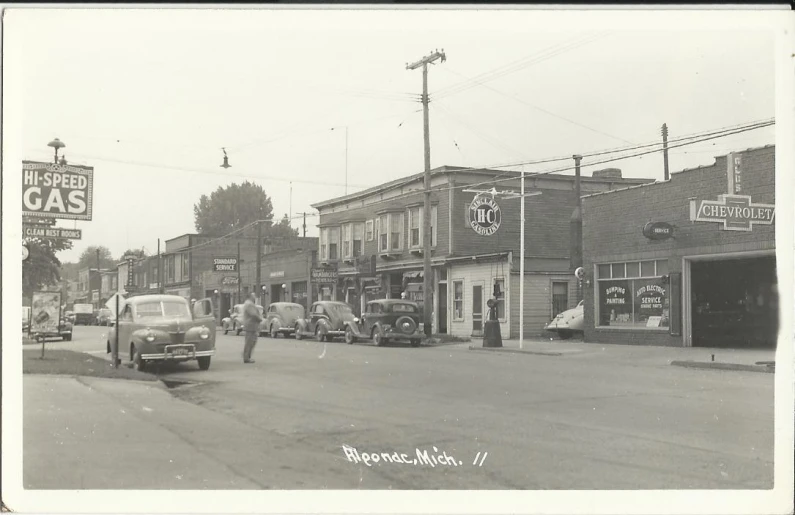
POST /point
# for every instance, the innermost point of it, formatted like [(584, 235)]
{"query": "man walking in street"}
[(251, 320)]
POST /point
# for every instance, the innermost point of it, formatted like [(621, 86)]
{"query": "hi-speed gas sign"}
[(56, 191)]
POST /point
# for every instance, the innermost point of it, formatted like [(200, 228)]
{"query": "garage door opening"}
[(735, 303)]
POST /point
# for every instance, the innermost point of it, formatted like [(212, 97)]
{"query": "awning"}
[(412, 275)]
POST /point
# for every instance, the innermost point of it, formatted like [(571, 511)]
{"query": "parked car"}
[(325, 321), (568, 323), (281, 318), (157, 328), (388, 320), (105, 317), (234, 322), (70, 316), (65, 329)]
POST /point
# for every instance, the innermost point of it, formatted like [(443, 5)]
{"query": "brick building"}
[(685, 262), (370, 246)]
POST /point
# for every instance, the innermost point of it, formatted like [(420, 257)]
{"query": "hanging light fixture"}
[(226, 160), (56, 144)]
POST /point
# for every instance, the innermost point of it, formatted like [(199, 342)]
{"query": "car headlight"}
[(150, 337), (356, 320), (204, 333)]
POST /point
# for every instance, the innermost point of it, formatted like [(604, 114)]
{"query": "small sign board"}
[(658, 231), (25, 252), (485, 215), (280, 273), (324, 276), (654, 321), (225, 264), (39, 221), (43, 231), (45, 316), (111, 303), (230, 280)]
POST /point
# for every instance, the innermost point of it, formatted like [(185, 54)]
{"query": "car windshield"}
[(293, 310), (162, 309), (403, 308), (340, 309)]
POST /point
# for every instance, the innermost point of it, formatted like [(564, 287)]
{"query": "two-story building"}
[(89, 286), (371, 245), (686, 262)]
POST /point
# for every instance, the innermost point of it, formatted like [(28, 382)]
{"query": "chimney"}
[(608, 173)]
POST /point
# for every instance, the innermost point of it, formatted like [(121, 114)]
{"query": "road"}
[(581, 421)]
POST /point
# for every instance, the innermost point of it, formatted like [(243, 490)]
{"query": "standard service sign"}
[(485, 215), (56, 191)]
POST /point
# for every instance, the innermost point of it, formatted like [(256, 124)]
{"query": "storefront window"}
[(628, 297), (396, 232), (324, 244), (414, 227), (358, 234), (383, 233), (346, 241), (333, 242), (369, 231), (501, 299), (434, 216), (458, 300)]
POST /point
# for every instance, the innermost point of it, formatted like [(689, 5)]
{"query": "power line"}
[(517, 65)]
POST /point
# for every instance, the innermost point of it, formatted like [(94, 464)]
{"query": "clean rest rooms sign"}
[(56, 191)]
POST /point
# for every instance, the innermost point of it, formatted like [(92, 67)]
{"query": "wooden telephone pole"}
[(427, 287)]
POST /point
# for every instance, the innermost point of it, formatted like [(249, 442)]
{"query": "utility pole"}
[(426, 229), (304, 224), (665, 150), (99, 290), (259, 259), (159, 269), (238, 273), (576, 225)]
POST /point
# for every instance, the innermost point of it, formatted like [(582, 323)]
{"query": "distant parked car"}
[(65, 329), (234, 322), (387, 320), (70, 316), (325, 321), (84, 314), (281, 318), (568, 323), (105, 317)]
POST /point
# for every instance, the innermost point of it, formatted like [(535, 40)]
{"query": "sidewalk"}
[(694, 357)]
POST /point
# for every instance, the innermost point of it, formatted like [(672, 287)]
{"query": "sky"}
[(150, 97)]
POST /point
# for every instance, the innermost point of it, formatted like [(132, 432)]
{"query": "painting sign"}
[(45, 312)]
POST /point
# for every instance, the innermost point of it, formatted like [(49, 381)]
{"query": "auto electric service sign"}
[(57, 191), (485, 215)]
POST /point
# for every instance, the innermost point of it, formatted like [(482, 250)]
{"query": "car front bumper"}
[(177, 351)]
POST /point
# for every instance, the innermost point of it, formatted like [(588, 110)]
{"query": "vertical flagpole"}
[(521, 270)]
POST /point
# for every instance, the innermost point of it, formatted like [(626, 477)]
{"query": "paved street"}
[(575, 421)]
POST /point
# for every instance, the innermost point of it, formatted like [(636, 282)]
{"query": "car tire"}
[(67, 338), (204, 362), (298, 335), (378, 337), (138, 363), (320, 335), (350, 338), (415, 342), (274, 332)]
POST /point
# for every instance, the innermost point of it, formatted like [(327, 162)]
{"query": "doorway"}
[(442, 311), (734, 302), (477, 309)]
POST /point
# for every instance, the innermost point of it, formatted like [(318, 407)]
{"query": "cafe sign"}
[(485, 215), (735, 212)]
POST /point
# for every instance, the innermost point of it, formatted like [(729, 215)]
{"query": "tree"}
[(42, 268), (234, 207), (88, 259)]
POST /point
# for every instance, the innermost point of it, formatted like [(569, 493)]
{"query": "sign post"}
[(115, 304)]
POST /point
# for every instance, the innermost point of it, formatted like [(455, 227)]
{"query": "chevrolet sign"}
[(736, 212)]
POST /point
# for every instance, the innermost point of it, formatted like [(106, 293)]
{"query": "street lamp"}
[(56, 144)]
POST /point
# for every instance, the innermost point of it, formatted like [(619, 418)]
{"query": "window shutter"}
[(675, 302)]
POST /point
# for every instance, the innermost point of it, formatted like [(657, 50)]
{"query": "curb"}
[(515, 351), (707, 365)]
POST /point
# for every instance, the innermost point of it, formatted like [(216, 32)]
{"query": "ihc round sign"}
[(485, 215), (25, 252)]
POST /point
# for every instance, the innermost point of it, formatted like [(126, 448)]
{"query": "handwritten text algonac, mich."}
[(421, 457)]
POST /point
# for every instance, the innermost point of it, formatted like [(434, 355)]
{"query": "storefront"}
[(686, 262)]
